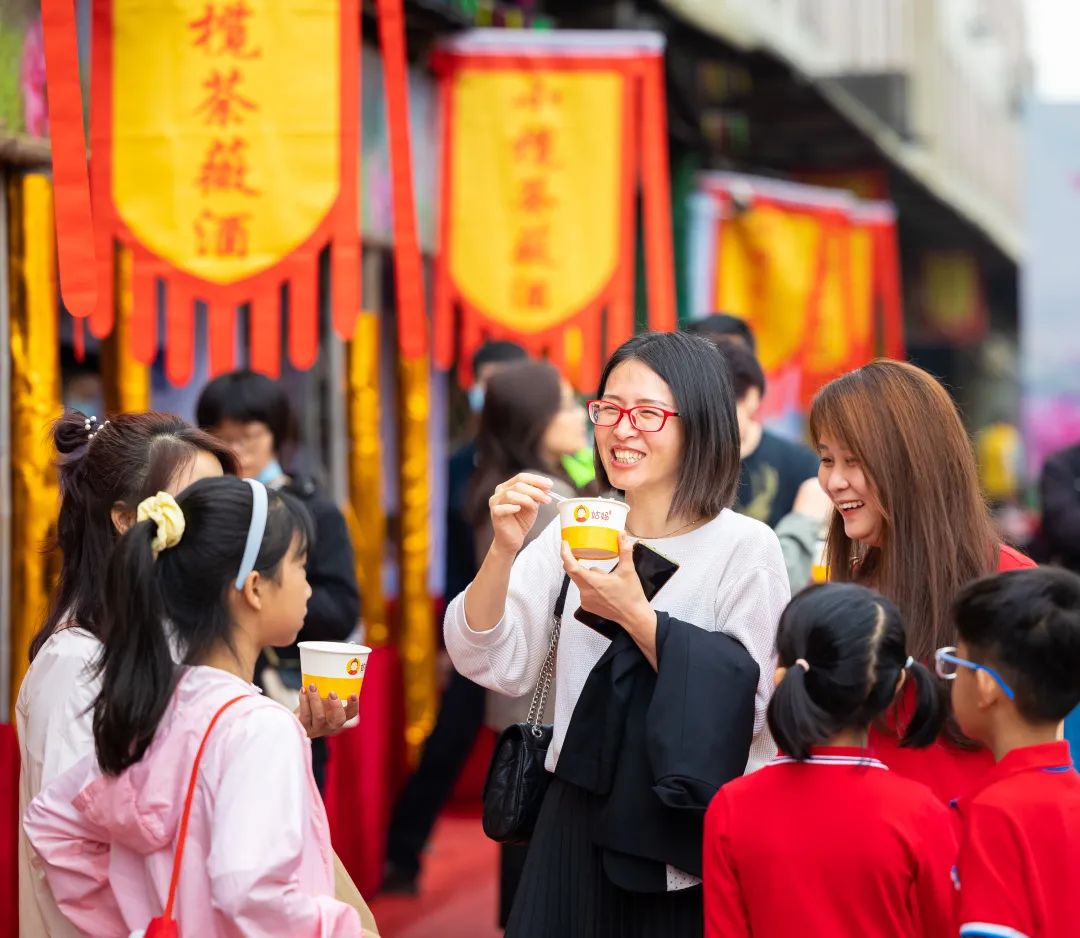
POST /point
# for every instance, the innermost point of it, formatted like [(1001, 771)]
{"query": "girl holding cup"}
[(666, 437), (219, 571)]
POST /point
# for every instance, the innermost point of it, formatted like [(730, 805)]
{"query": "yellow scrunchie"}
[(166, 514)]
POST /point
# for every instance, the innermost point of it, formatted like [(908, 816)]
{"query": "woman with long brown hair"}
[(910, 521)]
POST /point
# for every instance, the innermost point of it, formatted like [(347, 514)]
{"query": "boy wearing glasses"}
[(1016, 674)]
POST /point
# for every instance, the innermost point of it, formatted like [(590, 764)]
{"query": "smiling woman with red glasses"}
[(617, 847)]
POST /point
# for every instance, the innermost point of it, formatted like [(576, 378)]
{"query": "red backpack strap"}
[(182, 836)]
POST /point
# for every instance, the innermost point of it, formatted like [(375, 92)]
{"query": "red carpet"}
[(459, 888)]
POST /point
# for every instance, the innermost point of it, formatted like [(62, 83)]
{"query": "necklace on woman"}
[(668, 533)]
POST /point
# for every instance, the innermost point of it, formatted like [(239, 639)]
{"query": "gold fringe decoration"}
[(417, 641), (35, 403), (126, 379), (367, 520)]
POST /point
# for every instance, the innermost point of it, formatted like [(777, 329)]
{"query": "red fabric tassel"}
[(412, 323), (266, 332), (221, 335), (179, 333), (144, 308), (659, 258), (75, 242), (304, 311)]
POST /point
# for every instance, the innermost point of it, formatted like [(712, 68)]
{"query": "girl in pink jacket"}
[(220, 572)]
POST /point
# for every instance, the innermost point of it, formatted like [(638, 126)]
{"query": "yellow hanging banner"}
[(546, 137), (367, 519), (35, 403)]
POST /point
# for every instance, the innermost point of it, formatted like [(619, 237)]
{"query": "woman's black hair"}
[(521, 401), (179, 599), (247, 397), (853, 641), (700, 383), (124, 461)]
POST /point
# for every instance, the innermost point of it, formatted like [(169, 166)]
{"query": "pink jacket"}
[(257, 861)]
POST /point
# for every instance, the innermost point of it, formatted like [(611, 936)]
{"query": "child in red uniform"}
[(825, 841), (1016, 673)]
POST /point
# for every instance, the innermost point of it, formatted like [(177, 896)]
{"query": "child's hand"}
[(321, 718)]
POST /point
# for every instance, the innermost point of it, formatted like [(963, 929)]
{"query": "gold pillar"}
[(417, 640), (367, 520), (127, 380), (35, 403)]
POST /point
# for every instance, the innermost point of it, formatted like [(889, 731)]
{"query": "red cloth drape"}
[(9, 830), (367, 765)]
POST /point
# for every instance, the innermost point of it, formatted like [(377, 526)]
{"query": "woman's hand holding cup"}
[(618, 595), (514, 508)]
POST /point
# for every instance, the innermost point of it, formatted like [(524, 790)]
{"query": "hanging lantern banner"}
[(224, 174), (543, 134), (814, 273)]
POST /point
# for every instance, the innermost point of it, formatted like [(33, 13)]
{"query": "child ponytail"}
[(795, 720), (929, 715), (169, 587), (138, 673), (843, 648)]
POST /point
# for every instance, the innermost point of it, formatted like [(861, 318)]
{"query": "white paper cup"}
[(591, 526), (334, 667)]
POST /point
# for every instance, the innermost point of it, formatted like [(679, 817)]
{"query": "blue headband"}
[(255, 531)]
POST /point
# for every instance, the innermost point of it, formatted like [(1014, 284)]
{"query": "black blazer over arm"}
[(655, 746)]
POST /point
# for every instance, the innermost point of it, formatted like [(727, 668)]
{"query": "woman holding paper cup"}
[(667, 439)]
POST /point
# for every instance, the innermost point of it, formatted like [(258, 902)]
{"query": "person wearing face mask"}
[(912, 523), (251, 414)]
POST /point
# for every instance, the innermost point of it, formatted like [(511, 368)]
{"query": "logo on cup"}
[(353, 667), (581, 514)]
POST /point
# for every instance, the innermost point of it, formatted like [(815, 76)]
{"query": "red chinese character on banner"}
[(531, 245), (223, 103), (225, 168), (222, 235), (535, 196), (538, 94), (228, 24), (531, 293), (535, 144)]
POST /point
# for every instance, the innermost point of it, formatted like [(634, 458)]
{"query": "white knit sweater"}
[(731, 578)]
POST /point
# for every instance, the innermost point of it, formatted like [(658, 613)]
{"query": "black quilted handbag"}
[(516, 779)]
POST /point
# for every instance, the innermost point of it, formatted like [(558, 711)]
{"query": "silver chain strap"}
[(543, 685)]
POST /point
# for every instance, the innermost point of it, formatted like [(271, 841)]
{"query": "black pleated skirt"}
[(564, 893)]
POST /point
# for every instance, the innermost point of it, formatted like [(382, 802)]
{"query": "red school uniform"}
[(946, 769), (1020, 848), (837, 845)]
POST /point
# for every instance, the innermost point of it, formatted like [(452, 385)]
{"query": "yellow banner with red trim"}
[(224, 144), (546, 138), (814, 272)]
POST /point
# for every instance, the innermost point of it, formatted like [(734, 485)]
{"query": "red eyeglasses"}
[(647, 418)]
